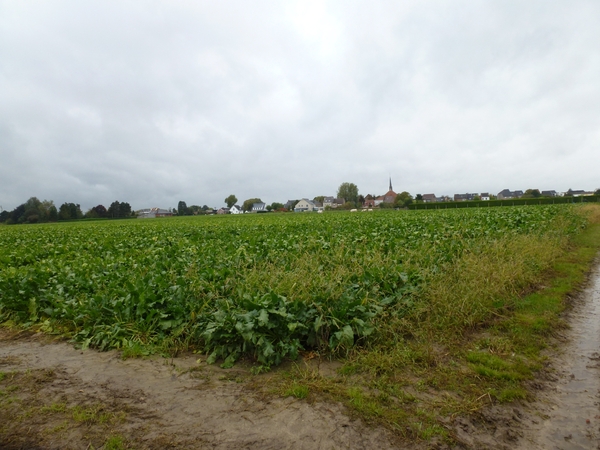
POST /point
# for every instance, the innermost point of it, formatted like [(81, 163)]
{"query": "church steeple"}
[(391, 184)]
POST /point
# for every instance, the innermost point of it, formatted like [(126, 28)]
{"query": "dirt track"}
[(165, 404), (569, 406), (181, 403)]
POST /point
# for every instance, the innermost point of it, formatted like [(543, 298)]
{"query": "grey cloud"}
[(156, 102)]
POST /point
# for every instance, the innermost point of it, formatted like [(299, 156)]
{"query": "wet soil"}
[(568, 409), (53, 396), (66, 398)]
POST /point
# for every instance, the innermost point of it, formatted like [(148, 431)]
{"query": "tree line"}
[(36, 211)]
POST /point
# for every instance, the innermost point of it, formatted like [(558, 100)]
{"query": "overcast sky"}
[(154, 102)]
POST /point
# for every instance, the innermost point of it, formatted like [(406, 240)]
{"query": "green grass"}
[(54, 407), (95, 414), (499, 368), (115, 443), (510, 394), (90, 415), (297, 390), (135, 350)]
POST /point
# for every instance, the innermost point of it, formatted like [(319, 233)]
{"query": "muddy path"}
[(53, 396), (156, 403), (568, 409)]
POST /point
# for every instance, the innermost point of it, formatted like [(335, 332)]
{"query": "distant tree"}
[(476, 197), (247, 206), (418, 198), (69, 211), (90, 214), (195, 209), (32, 211), (348, 205), (205, 208), (319, 198), (64, 212), (33, 202), (231, 200), (119, 210), (96, 212), (114, 209), (76, 212), (361, 199), (100, 211), (181, 208), (403, 199), (276, 206), (597, 192), (45, 208), (52, 214), (349, 192), (17, 214), (125, 210), (4, 215), (532, 193), (269, 208)]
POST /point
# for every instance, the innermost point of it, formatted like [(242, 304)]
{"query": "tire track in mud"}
[(568, 415)]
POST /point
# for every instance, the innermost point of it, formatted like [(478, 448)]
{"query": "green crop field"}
[(432, 313), (266, 286)]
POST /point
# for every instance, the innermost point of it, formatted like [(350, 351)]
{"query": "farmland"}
[(416, 304), (265, 286)]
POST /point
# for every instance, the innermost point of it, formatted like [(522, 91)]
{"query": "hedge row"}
[(510, 202)]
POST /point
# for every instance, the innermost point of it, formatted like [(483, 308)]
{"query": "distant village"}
[(346, 198), (390, 199)]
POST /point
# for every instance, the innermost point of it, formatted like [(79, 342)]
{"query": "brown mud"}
[(53, 396), (156, 403)]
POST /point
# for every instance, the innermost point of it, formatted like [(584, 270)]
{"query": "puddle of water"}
[(574, 422)]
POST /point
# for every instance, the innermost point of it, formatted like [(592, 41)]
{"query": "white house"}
[(259, 207), (235, 209), (305, 205)]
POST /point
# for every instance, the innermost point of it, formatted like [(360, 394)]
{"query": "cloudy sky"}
[(152, 102)]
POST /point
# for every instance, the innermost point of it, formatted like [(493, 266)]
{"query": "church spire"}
[(391, 184)]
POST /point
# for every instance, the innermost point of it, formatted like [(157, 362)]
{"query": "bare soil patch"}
[(56, 397)]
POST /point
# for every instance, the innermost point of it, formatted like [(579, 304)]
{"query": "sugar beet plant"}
[(266, 286)]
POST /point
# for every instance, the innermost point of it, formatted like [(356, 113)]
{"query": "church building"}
[(388, 197)]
